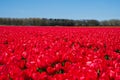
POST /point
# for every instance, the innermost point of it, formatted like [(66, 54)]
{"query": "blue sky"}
[(65, 9)]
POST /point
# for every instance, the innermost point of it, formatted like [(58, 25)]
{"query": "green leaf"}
[(89, 47), (117, 51), (98, 72), (63, 63), (23, 58), (53, 64), (61, 71), (107, 57), (41, 70)]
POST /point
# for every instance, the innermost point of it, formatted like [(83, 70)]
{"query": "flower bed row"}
[(59, 53)]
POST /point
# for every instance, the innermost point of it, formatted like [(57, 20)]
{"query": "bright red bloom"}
[(45, 53)]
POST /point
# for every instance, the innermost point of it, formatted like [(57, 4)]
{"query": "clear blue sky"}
[(66, 9)]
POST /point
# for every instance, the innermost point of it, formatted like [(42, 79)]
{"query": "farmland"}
[(59, 53)]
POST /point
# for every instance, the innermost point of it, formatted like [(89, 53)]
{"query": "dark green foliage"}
[(53, 64), (56, 22), (61, 71), (63, 63), (107, 57), (41, 70), (117, 51), (98, 72)]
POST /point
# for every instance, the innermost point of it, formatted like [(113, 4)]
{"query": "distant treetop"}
[(57, 22)]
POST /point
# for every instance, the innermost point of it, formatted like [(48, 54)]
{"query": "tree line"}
[(57, 22)]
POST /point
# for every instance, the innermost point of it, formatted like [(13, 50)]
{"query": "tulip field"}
[(59, 53)]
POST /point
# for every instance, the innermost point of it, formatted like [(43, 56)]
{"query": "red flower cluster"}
[(45, 53)]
